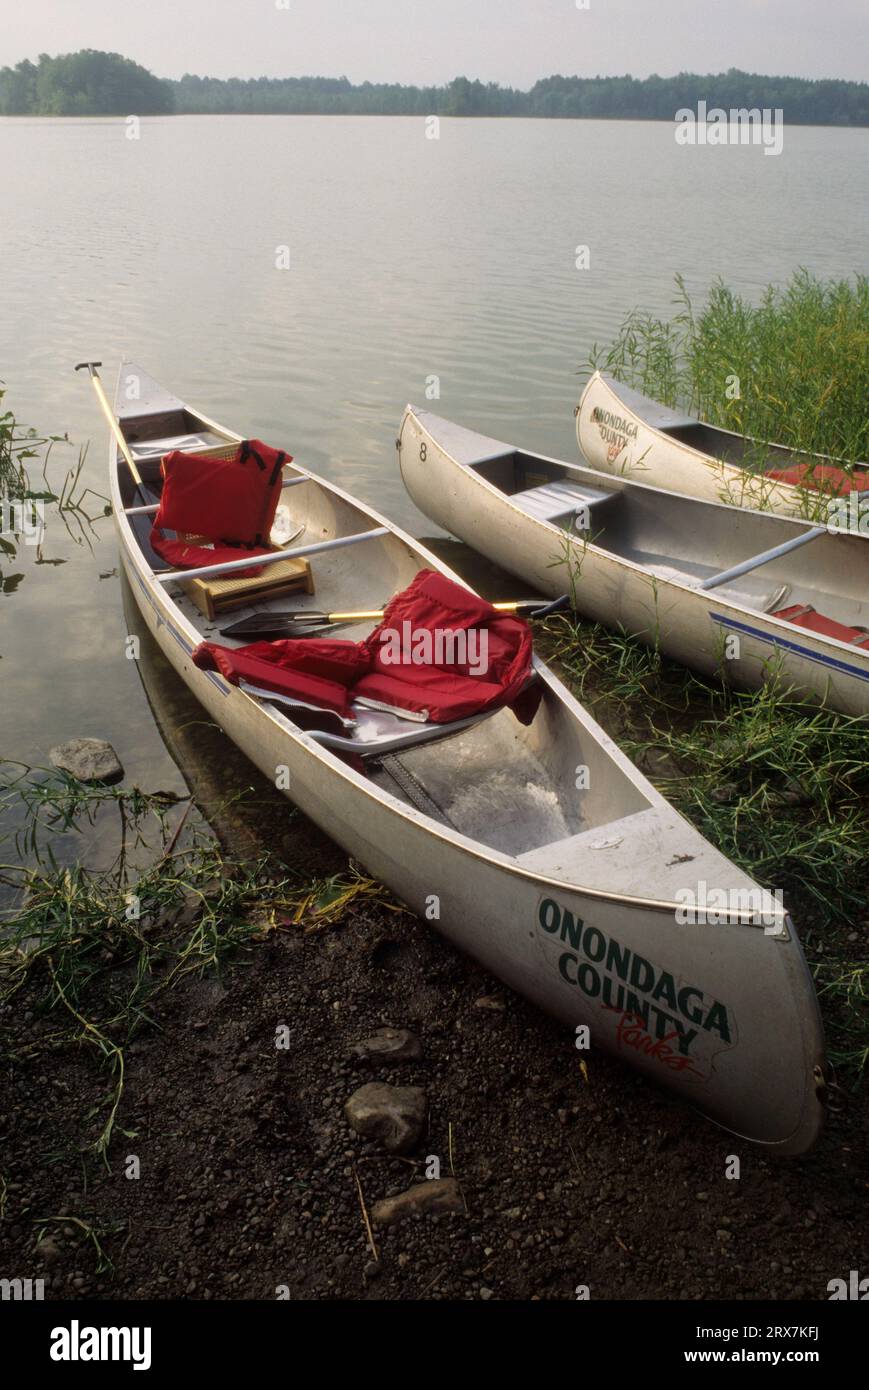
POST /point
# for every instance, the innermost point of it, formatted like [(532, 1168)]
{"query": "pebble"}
[(88, 760), (393, 1116), (494, 1002), (389, 1045), (434, 1197)]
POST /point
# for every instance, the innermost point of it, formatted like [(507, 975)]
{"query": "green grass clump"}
[(94, 950), (799, 358), (20, 449)]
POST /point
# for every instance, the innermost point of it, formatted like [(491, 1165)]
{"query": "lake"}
[(409, 259)]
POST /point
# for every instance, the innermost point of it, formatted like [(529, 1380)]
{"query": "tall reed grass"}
[(792, 368)]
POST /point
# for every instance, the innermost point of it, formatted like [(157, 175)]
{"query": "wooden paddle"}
[(308, 623)]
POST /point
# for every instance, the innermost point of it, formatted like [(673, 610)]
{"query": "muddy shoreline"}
[(247, 1167)]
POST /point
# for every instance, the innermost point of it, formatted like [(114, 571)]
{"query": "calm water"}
[(410, 258)]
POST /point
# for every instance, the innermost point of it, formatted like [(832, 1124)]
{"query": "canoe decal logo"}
[(615, 431), (649, 1011)]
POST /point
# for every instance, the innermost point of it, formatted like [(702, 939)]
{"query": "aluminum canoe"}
[(539, 849), (636, 558), (623, 432)]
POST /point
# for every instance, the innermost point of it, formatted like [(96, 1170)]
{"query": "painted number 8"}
[(422, 452)]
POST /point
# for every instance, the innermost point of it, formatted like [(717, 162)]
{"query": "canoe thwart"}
[(764, 557), (229, 566), (154, 506)]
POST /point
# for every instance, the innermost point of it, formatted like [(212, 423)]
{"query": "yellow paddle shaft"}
[(378, 613), (113, 424)]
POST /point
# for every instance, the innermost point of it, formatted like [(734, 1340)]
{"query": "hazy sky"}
[(431, 41)]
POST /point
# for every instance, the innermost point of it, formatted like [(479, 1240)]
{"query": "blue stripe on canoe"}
[(832, 661)]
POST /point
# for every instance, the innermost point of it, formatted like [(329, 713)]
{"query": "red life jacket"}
[(819, 477), (804, 615), (232, 501), (334, 673)]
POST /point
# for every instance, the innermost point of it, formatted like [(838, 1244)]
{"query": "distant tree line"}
[(90, 83), (86, 83)]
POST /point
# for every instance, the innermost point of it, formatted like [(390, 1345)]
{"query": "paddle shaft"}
[(113, 423), (361, 614)]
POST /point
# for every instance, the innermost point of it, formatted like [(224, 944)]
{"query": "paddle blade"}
[(284, 624)]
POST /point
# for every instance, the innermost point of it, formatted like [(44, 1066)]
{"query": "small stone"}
[(487, 1293), (729, 791), (434, 1197), (391, 1115), (88, 760), (493, 1002), (389, 1045), (48, 1250), (794, 793)]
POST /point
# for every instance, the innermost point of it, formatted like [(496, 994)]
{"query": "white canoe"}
[(621, 431), (538, 849), (637, 558)]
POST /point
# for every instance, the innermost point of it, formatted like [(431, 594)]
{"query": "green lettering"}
[(716, 1022), (618, 958), (562, 966), (549, 915), (665, 989), (571, 929)]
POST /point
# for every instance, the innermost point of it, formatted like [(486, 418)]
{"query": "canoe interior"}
[(683, 538), (510, 786), (733, 448)]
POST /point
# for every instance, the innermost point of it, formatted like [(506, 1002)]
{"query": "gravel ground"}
[(248, 1169)]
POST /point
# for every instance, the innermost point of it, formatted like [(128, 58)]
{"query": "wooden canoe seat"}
[(559, 501), (221, 593)]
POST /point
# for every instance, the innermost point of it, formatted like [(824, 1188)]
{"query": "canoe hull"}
[(617, 439), (689, 1006), (634, 978), (691, 626)]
